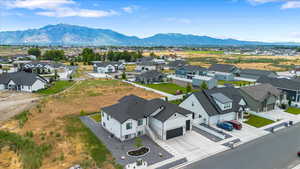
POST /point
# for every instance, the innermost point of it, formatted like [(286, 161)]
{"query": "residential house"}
[(189, 71), (256, 74), (223, 71), (108, 67), (209, 81), (173, 65), (288, 87), (22, 81), (134, 116), (151, 76), (40, 67), (215, 105), (262, 97)]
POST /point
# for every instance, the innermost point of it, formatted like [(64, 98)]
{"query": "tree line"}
[(53, 54)]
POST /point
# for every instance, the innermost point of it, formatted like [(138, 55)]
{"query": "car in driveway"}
[(236, 125), (225, 125)]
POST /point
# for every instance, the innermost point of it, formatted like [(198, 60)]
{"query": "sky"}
[(254, 20)]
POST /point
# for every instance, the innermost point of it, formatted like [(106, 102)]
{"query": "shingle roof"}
[(256, 72), (280, 83), (20, 78), (222, 68), (260, 92), (134, 107), (193, 68), (177, 63), (43, 64), (209, 104), (151, 74)]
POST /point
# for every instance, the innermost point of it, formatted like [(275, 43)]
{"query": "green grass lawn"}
[(258, 122), (235, 83), (96, 117), (56, 87), (167, 87), (293, 110)]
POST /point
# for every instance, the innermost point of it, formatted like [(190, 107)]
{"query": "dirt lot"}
[(12, 103), (49, 116)]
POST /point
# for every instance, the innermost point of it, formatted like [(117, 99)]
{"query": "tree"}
[(88, 55), (124, 75), (55, 75), (34, 51), (204, 86), (188, 88), (138, 142), (56, 55)]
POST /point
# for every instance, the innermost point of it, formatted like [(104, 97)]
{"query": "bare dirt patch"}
[(12, 103)]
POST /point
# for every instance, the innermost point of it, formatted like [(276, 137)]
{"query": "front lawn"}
[(96, 117), (257, 121), (235, 83), (168, 88), (293, 110), (56, 87)]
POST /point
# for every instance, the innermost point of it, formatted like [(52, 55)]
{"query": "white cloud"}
[(291, 4), (57, 8), (179, 20), (130, 9)]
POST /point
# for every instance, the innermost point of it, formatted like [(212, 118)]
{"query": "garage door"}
[(174, 133)]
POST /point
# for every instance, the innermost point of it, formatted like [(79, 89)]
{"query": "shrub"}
[(29, 134)]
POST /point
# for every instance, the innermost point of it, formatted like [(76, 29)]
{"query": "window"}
[(140, 122), (128, 126), (104, 124), (107, 117), (140, 133), (127, 136)]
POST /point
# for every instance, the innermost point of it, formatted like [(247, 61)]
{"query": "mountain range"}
[(72, 35)]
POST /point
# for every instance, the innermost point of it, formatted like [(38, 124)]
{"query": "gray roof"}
[(145, 59), (261, 91), (257, 72), (43, 64), (221, 98), (222, 68), (134, 107), (150, 74), (177, 63), (21, 78), (211, 107), (104, 64), (193, 68), (281, 83)]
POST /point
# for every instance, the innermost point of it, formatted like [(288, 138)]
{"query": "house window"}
[(192, 104), (128, 126), (104, 124), (140, 122), (127, 136), (107, 117), (140, 133)]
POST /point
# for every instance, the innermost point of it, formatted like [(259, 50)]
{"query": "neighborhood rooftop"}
[(261, 91)]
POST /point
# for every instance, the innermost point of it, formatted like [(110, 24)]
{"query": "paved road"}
[(274, 151)]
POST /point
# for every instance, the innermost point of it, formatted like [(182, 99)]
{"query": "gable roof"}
[(43, 64), (261, 91), (280, 82), (21, 78), (177, 63), (150, 74), (134, 107), (209, 104), (192, 68), (222, 68), (257, 72)]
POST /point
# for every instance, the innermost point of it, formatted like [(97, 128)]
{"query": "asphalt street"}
[(273, 151)]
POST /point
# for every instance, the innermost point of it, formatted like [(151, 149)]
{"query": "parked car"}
[(225, 125), (236, 125)]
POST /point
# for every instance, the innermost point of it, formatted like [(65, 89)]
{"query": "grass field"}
[(205, 52), (293, 110), (257, 121), (235, 83), (56, 87), (168, 88), (96, 117)]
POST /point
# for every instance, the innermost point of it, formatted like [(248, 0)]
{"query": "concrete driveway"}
[(194, 146), (247, 133)]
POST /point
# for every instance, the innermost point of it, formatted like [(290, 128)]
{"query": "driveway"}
[(247, 133), (194, 146)]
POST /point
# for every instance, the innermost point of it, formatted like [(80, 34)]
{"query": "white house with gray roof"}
[(108, 67), (134, 116), (215, 105), (22, 81)]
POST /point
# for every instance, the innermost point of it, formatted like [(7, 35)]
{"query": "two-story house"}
[(134, 116)]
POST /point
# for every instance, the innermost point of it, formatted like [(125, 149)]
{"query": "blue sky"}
[(262, 20)]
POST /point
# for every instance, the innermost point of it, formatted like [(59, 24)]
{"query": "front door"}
[(188, 125)]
